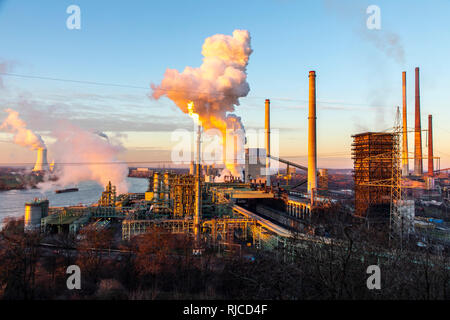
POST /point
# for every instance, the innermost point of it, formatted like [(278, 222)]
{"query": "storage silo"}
[(34, 212)]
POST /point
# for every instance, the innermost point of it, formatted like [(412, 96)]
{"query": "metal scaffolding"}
[(226, 230), (132, 228), (108, 198), (372, 153), (182, 193)]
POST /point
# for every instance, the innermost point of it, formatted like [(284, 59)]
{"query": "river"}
[(12, 202)]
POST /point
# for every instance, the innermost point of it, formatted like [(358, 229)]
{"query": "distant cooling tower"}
[(41, 161)]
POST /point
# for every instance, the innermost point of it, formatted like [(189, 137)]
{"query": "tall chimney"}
[(430, 147), (312, 158), (267, 132), (405, 161), (198, 189), (418, 169), (41, 161)]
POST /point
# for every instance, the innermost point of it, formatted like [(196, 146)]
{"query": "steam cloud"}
[(354, 12), (22, 136), (94, 158), (215, 87), (89, 155), (387, 42)]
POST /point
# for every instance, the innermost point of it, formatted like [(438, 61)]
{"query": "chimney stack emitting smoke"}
[(430, 147), (405, 160), (27, 138), (418, 165), (215, 86), (312, 146), (267, 129)]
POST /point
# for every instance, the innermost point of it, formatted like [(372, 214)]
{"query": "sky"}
[(132, 43)]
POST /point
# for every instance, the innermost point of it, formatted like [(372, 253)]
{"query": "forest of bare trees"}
[(160, 265)]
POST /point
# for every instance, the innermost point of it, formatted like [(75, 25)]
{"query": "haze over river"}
[(12, 203)]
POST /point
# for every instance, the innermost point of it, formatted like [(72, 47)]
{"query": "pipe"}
[(289, 163), (405, 160), (418, 165), (166, 187), (312, 145), (267, 132), (156, 190), (430, 146), (198, 190)]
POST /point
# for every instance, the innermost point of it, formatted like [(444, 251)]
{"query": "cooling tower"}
[(418, 169), (405, 161), (41, 161), (312, 146)]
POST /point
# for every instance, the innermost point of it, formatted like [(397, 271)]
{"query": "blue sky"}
[(134, 42)]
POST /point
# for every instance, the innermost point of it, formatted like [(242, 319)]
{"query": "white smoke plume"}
[(353, 12), (216, 86), (22, 135), (82, 155)]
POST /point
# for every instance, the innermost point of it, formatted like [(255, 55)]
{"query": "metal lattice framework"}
[(400, 211), (108, 198), (372, 153), (226, 229), (182, 192), (136, 227), (396, 189)]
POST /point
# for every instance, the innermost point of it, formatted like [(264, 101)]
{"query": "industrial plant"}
[(256, 210), (234, 158)]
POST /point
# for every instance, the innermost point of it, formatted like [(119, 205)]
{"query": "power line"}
[(148, 162), (72, 81), (219, 94)]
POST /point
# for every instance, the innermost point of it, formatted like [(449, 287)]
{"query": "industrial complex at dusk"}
[(231, 195)]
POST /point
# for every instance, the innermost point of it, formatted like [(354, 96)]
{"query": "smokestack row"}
[(312, 143), (418, 157)]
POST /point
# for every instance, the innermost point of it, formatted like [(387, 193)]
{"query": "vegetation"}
[(159, 265), (17, 179)]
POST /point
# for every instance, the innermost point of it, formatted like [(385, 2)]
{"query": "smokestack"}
[(198, 190), (405, 160), (267, 127), (418, 169), (430, 147), (312, 158), (41, 161)]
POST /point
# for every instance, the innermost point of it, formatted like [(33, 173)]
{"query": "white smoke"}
[(216, 86), (82, 155), (22, 135)]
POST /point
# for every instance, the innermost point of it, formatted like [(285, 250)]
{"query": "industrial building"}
[(260, 211), (255, 164), (372, 156), (34, 212)]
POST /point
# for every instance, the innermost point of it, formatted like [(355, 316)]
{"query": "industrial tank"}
[(34, 212)]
